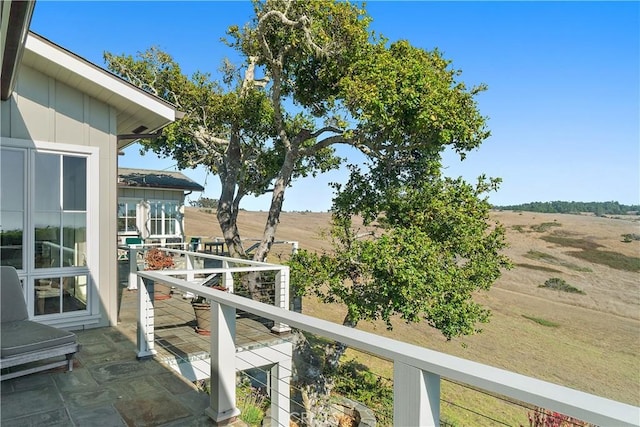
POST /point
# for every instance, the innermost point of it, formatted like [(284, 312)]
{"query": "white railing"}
[(417, 371)]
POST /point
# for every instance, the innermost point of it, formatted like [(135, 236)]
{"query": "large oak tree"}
[(313, 76)]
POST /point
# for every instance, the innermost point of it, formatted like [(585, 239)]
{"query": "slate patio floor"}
[(107, 387)]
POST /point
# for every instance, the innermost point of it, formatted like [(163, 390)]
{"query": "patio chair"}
[(25, 342)]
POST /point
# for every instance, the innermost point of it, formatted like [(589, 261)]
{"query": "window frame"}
[(29, 274)]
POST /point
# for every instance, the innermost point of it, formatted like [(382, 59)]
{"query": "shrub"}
[(542, 256), (252, 402), (545, 226), (542, 322), (560, 285), (611, 259), (358, 383), (630, 237), (538, 267)]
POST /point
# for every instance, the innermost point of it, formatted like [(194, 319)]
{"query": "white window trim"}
[(131, 201), (175, 220), (93, 227)]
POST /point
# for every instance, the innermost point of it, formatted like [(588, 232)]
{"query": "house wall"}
[(141, 195), (45, 110)]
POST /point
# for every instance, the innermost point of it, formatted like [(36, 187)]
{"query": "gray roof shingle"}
[(156, 179)]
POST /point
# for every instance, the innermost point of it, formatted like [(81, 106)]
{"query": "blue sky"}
[(564, 83)]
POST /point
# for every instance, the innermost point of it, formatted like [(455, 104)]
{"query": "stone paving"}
[(107, 387)]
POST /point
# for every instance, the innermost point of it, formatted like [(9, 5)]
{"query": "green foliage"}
[(610, 259), (590, 252), (252, 403), (538, 267), (561, 285), (313, 75), (585, 244), (356, 382), (543, 256), (542, 322), (11, 237), (435, 249), (598, 208), (630, 237), (205, 202), (545, 226)]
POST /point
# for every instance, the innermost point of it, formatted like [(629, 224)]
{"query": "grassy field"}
[(588, 341)]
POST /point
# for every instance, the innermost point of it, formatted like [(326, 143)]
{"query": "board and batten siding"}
[(44, 109)]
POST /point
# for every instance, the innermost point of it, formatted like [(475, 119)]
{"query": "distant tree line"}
[(598, 208), (204, 202)]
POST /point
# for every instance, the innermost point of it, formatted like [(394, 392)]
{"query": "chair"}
[(23, 341)]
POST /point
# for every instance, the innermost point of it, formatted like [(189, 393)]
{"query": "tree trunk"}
[(277, 199), (334, 352), (227, 212)]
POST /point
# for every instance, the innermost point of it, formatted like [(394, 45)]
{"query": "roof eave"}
[(135, 107), (16, 18)]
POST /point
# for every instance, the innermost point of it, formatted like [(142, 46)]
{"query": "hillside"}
[(590, 342)]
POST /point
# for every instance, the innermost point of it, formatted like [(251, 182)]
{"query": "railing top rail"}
[(270, 267), (197, 254), (581, 405)]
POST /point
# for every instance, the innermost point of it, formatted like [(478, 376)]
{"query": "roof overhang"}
[(15, 17), (137, 110)]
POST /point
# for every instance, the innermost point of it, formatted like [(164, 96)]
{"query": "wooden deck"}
[(176, 339)]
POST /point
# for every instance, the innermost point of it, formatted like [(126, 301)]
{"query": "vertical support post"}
[(416, 396), (145, 319), (282, 298), (190, 265), (222, 407), (227, 277), (280, 378), (133, 269)]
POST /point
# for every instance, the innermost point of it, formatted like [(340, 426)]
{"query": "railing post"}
[(227, 277), (133, 269), (282, 298), (189, 261), (416, 396), (222, 408), (145, 319), (280, 378)]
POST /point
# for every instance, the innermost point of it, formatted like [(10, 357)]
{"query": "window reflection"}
[(47, 240), (54, 295), (47, 184), (12, 191), (74, 240)]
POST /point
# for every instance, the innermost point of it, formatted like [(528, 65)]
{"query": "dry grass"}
[(594, 348)]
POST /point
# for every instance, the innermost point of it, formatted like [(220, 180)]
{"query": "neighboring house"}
[(151, 204), (63, 122)]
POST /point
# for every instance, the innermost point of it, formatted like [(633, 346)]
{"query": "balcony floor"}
[(110, 387)]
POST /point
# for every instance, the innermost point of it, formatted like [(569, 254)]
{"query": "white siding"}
[(43, 109)]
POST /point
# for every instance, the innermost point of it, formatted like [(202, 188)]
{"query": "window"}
[(60, 211), (127, 217), (44, 226), (162, 218), (12, 207)]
